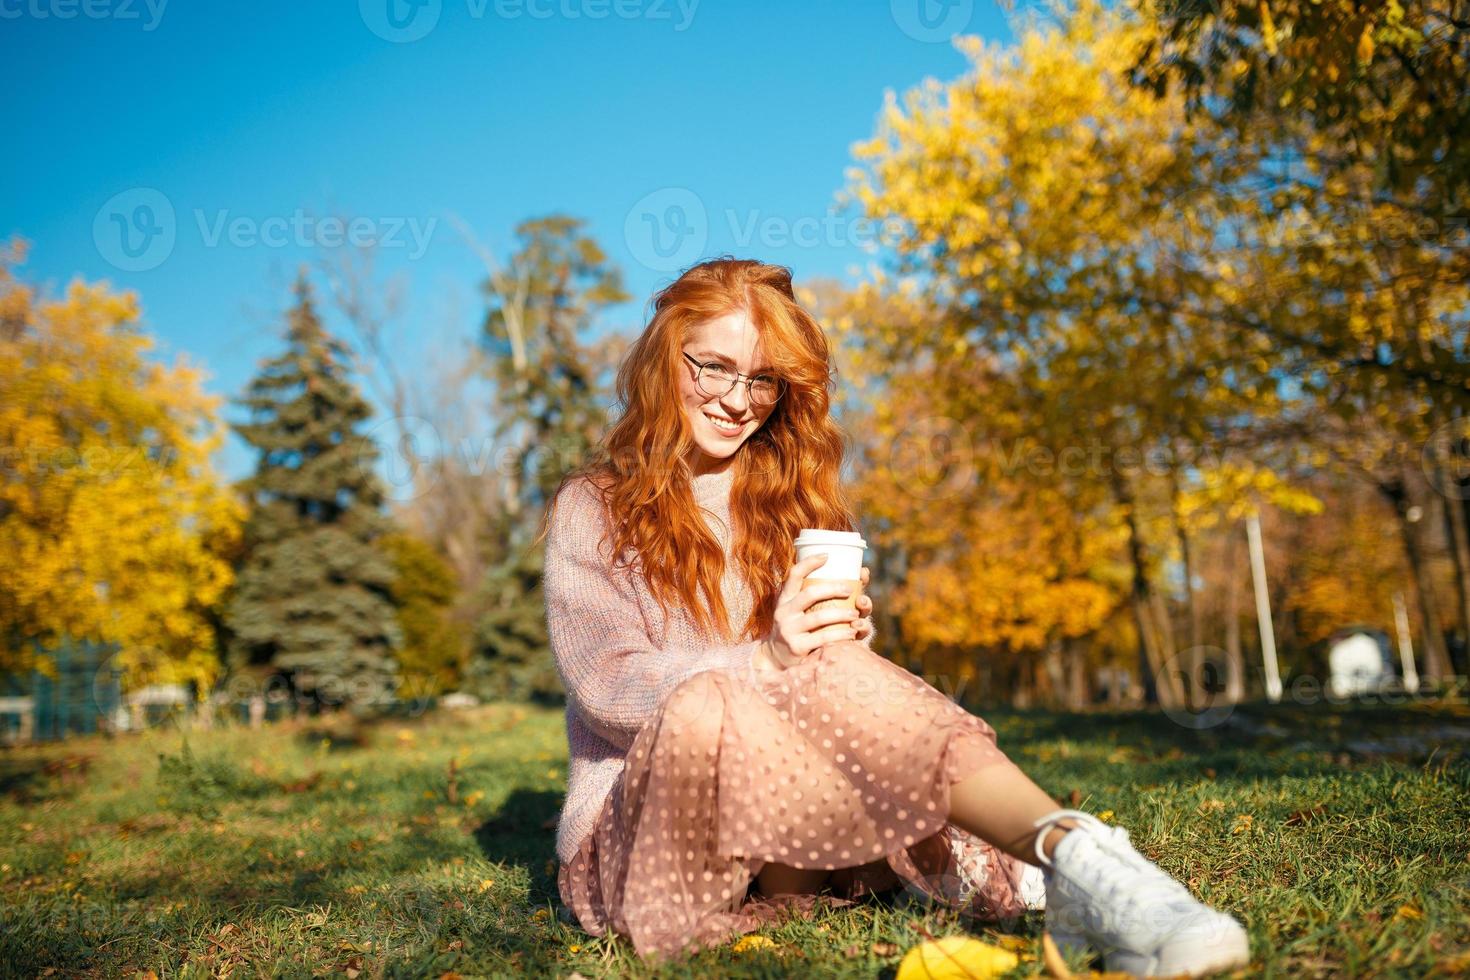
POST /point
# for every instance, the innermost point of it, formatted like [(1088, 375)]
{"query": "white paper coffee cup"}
[(844, 551)]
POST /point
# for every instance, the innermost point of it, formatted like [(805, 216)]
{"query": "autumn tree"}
[(1045, 202), (1384, 81), (985, 566), (431, 660), (314, 599), (1350, 241), (113, 525)]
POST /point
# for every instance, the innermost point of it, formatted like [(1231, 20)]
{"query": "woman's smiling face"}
[(731, 340)]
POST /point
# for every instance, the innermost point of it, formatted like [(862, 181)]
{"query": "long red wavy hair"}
[(786, 473)]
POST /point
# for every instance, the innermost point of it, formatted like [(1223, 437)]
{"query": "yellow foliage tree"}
[(1046, 203), (113, 526)]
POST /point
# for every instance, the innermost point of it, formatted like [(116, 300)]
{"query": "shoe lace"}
[(1044, 824), (1113, 839)]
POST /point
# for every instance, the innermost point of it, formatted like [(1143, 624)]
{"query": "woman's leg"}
[(1000, 804), (782, 879)]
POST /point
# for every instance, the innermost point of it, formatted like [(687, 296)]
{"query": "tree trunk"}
[(1054, 671), (1169, 671), (1150, 656), (1194, 661), (1077, 694), (1435, 667), (1459, 538), (1234, 659)]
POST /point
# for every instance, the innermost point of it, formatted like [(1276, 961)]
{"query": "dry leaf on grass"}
[(956, 958), (746, 943), (1307, 815)]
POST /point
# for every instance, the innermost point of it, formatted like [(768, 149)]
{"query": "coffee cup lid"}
[(819, 536)]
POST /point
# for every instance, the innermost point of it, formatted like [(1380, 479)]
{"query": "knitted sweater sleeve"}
[(615, 676)]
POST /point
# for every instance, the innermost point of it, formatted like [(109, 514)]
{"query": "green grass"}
[(1339, 834)]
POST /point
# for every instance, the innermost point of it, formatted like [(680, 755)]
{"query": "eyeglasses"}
[(717, 380)]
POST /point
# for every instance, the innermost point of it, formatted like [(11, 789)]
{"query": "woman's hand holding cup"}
[(798, 630), (864, 606)]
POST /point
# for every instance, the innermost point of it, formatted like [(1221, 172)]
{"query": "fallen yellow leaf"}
[(751, 942), (955, 958), (1052, 957), (1016, 944)]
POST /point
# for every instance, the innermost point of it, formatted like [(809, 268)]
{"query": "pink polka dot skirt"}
[(843, 762)]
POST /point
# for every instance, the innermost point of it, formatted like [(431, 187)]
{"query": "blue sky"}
[(190, 150)]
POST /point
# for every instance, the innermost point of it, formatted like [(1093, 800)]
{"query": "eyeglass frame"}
[(701, 365)]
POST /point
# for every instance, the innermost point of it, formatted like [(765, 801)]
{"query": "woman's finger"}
[(797, 576)]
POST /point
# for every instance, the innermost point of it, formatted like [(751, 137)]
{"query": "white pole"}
[(1406, 644), (1263, 608)]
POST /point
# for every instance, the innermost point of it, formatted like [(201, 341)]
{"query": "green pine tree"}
[(514, 661), (313, 598)]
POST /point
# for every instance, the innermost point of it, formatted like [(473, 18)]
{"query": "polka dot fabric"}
[(842, 762)]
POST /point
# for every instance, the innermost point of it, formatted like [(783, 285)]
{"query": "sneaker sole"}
[(1203, 960)]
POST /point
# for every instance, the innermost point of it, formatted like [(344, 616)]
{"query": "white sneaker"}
[(1101, 892)]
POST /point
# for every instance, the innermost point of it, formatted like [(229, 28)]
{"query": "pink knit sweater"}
[(606, 630)]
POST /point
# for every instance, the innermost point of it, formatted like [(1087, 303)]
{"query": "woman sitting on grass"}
[(718, 773)]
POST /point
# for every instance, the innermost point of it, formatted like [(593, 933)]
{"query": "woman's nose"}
[(738, 395)]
